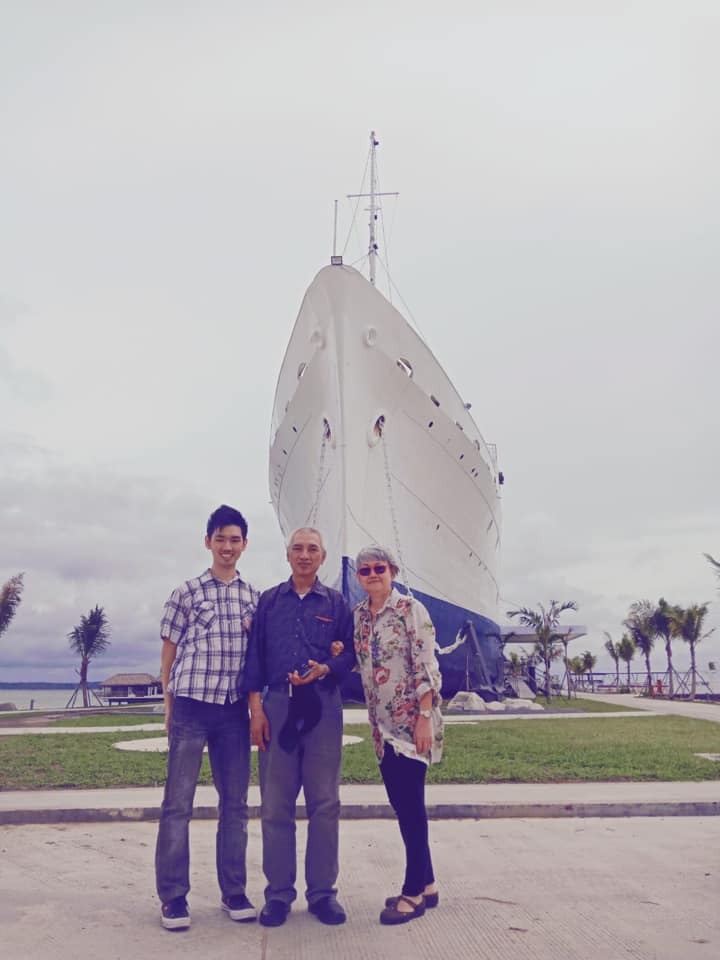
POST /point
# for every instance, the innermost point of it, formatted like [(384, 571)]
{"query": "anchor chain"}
[(312, 520), (391, 503)]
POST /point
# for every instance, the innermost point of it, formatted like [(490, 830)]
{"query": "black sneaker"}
[(239, 908), (175, 915)]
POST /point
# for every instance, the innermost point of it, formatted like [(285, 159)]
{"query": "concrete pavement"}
[(446, 801), (697, 710), (621, 889)]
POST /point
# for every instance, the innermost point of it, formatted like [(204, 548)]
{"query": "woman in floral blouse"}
[(395, 648)]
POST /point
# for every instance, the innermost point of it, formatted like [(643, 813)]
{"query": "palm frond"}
[(10, 597)]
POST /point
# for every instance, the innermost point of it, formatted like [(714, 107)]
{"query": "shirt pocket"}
[(247, 612), (321, 633), (204, 614)]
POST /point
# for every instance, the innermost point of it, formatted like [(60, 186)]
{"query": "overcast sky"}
[(167, 173)]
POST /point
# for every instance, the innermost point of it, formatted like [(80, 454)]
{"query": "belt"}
[(327, 684)]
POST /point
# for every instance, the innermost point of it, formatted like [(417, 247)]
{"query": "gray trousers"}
[(315, 765)]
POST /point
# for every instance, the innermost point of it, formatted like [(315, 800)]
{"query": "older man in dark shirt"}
[(296, 723)]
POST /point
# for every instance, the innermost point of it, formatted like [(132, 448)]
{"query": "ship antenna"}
[(374, 205), (372, 246), (334, 253)]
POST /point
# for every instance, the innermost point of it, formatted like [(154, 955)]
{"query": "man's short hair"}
[(306, 530), (226, 516)]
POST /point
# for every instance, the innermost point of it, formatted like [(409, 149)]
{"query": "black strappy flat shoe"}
[(391, 914)]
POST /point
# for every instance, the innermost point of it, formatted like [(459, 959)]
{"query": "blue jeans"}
[(315, 765), (225, 729)]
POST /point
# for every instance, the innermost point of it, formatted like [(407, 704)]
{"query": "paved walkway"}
[(639, 889), (446, 801), (697, 710)]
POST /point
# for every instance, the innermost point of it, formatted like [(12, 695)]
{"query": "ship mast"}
[(374, 206), (372, 246)]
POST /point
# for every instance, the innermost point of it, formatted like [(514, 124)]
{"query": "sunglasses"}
[(377, 568)]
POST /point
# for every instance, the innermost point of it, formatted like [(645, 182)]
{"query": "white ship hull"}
[(372, 444)]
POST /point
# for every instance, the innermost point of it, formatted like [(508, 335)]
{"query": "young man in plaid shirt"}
[(204, 634)]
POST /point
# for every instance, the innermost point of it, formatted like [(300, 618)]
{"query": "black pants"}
[(404, 780)]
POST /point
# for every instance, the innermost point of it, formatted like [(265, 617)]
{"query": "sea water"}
[(31, 698)]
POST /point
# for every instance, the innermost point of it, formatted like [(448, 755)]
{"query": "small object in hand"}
[(304, 670)]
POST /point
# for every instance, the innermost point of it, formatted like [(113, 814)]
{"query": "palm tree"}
[(612, 649), (626, 652), (689, 625), (576, 666), (589, 661), (639, 622), (10, 597), (545, 623), (89, 639), (565, 640), (714, 563), (664, 625), (515, 664)]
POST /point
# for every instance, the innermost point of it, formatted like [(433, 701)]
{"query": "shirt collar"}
[(317, 587), (209, 575), (391, 601)]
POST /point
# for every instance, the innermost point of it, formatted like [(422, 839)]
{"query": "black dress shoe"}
[(328, 910), (274, 913)]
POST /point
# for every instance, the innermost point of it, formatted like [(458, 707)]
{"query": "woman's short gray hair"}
[(368, 554)]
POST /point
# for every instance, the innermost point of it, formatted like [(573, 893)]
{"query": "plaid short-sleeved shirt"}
[(209, 622)]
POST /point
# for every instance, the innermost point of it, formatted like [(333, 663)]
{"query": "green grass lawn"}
[(546, 751), (108, 720)]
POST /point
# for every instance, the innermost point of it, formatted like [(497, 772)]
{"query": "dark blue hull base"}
[(460, 668)]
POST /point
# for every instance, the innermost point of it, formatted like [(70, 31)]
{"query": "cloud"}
[(555, 239), (87, 536)]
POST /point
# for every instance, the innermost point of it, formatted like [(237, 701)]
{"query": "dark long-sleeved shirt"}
[(287, 630)]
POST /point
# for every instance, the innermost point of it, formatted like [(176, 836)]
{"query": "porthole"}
[(435, 400), (405, 366), (370, 337), (301, 370)]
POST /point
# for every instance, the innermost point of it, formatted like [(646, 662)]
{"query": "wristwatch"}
[(425, 713)]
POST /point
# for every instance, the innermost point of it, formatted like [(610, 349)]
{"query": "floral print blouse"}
[(395, 651)]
